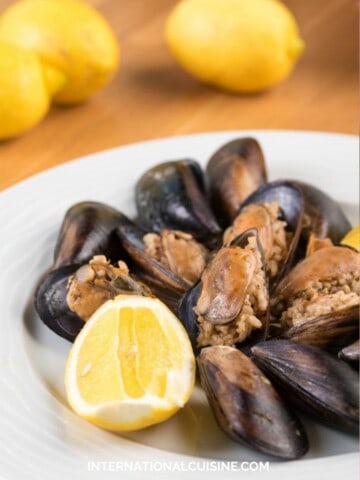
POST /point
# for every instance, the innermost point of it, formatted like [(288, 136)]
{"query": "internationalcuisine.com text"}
[(179, 466)]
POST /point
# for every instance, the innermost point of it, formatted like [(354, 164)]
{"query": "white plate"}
[(39, 434)]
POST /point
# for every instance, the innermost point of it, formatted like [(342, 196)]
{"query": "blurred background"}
[(151, 96)]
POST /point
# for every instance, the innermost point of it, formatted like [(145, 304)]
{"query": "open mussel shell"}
[(172, 195), (233, 172), (313, 381), (87, 230), (291, 203), (165, 284), (246, 406), (351, 353), (322, 265), (51, 304), (337, 325), (331, 331), (186, 308), (324, 215)]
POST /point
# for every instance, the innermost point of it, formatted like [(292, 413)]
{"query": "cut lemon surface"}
[(131, 366)]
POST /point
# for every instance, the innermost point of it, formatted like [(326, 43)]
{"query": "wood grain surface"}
[(152, 97)]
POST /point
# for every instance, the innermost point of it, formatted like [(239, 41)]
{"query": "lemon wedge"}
[(131, 366), (352, 238)]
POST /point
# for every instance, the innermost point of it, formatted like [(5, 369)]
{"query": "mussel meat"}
[(146, 253), (313, 381), (246, 406), (179, 252), (98, 281), (68, 296)]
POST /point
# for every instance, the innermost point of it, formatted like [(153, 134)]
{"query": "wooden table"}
[(151, 97)]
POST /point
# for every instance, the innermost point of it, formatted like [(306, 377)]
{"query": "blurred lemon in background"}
[(24, 91), (70, 37), (238, 45)]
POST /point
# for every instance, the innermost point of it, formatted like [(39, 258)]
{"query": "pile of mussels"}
[(254, 271)]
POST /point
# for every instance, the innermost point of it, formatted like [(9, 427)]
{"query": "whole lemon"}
[(70, 37), (238, 45), (24, 97)]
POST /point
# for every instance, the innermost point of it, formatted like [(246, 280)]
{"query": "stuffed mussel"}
[(318, 302), (230, 303), (170, 261), (87, 235)]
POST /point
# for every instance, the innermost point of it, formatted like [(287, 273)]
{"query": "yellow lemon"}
[(352, 238), (131, 365), (24, 90), (70, 37), (238, 45)]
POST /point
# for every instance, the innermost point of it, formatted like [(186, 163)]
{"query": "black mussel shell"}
[(351, 353), (328, 332), (313, 381), (326, 218), (51, 304), (172, 195), (187, 315), (87, 230), (131, 238), (246, 406), (233, 172), (291, 203)]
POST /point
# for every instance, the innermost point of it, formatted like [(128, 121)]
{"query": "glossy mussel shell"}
[(351, 353), (313, 381), (87, 230), (324, 215), (172, 195), (246, 406), (328, 332), (51, 304), (233, 172)]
